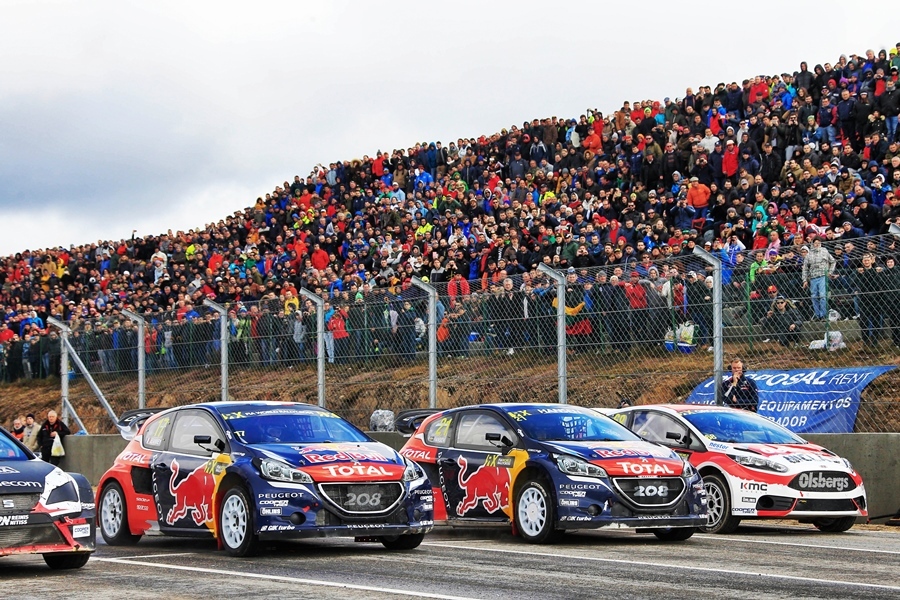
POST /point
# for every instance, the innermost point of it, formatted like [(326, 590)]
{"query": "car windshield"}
[(740, 427), (290, 426), (9, 450), (570, 424)]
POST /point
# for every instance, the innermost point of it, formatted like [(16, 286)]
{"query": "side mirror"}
[(684, 440), (499, 438)]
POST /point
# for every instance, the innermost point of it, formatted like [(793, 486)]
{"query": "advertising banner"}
[(805, 400)]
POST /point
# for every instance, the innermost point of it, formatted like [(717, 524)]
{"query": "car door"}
[(475, 470), (185, 473)]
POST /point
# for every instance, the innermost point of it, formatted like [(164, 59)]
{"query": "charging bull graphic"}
[(487, 483), (191, 494)]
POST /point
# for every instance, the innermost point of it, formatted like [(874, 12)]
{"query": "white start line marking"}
[(319, 582), (667, 566)]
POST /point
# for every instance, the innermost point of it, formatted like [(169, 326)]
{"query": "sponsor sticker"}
[(31, 484), (575, 493), (13, 520), (270, 512), (567, 502), (8, 471), (273, 503), (81, 531)]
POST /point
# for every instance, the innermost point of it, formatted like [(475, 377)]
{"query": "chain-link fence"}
[(640, 327)]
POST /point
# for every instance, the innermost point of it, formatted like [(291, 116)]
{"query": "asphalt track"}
[(756, 562)]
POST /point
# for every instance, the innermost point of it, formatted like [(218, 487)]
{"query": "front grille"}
[(647, 492), (823, 481), (326, 518), (362, 498), (16, 504), (29, 535), (821, 505)]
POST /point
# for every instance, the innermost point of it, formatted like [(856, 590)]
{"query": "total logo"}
[(646, 468), (347, 470), (817, 481)]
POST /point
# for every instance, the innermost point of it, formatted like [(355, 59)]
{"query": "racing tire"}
[(235, 524), (718, 502), (535, 514), (836, 525), (63, 561), (112, 516), (403, 542), (674, 534)]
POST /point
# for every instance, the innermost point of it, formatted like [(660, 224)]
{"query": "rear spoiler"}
[(130, 421), (408, 421)]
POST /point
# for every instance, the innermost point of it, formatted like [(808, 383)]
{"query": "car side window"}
[(192, 423), (438, 432), (654, 426), (154, 436), (471, 429)]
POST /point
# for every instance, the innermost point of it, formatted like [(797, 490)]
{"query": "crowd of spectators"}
[(766, 164)]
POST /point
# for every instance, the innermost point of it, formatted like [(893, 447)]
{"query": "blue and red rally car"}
[(547, 468), (245, 472)]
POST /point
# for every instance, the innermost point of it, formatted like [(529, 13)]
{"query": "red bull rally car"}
[(43, 510), (245, 472), (547, 468), (752, 467)]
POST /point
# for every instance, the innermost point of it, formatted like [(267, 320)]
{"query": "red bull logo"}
[(487, 484), (192, 495)]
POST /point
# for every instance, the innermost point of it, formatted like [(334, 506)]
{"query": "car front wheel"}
[(236, 523), (718, 501), (66, 560), (535, 513), (403, 542), (836, 525), (114, 517)]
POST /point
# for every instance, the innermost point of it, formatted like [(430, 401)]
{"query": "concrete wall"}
[(92, 455), (875, 455)]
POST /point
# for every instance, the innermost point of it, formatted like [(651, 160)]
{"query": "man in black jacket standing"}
[(51, 429)]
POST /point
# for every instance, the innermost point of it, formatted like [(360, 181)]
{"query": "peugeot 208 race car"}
[(251, 471), (43, 509), (547, 468), (753, 468)]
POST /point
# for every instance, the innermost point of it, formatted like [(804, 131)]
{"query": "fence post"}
[(223, 342), (320, 342), (718, 346), (67, 347), (432, 339), (561, 356), (63, 366), (141, 355)]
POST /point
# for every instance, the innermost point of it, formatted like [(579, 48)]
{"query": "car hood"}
[(346, 461), (795, 456), (23, 476), (625, 458)]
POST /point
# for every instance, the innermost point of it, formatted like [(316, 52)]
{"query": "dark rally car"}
[(43, 509), (547, 468), (244, 472)]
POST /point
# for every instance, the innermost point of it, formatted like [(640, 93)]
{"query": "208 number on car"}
[(644, 491), (363, 499)]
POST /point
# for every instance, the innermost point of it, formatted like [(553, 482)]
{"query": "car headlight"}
[(755, 462), (64, 493), (278, 471), (412, 471), (688, 470), (572, 465)]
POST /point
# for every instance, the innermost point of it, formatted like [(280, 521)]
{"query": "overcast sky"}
[(126, 115)]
